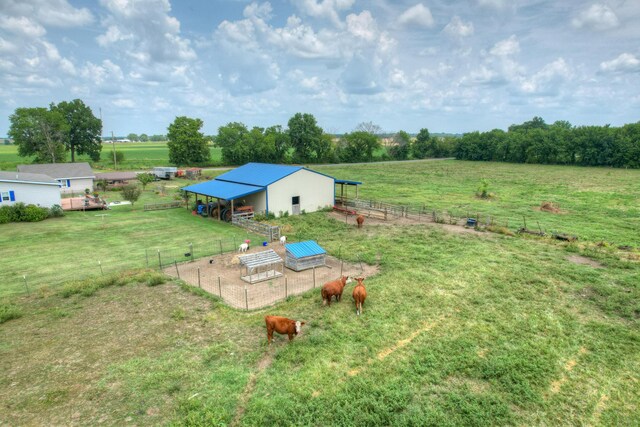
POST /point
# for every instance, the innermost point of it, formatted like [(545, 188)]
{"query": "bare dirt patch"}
[(582, 260), (403, 221), (221, 276)]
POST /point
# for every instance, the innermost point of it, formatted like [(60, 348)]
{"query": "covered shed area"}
[(344, 189), (261, 266), (219, 197), (304, 255)]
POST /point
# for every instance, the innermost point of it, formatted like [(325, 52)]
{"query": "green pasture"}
[(137, 155), (596, 204), (459, 328)]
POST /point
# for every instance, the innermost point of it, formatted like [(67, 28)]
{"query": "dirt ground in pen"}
[(220, 275)]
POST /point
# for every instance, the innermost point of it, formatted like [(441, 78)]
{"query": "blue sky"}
[(449, 66)]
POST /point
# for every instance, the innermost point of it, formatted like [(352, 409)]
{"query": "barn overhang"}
[(345, 182), (223, 189)]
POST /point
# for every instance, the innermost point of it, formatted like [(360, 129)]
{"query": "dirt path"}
[(263, 364)]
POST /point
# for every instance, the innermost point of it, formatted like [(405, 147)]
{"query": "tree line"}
[(535, 141)]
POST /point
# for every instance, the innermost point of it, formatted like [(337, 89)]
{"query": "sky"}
[(448, 66)]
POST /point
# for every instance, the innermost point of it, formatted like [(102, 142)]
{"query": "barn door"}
[(295, 205)]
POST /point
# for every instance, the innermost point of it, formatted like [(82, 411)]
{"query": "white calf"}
[(283, 240), (243, 247)]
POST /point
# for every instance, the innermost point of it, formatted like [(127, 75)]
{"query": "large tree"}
[(400, 148), (420, 147), (306, 137), (84, 129), (358, 146), (39, 132), (186, 143)]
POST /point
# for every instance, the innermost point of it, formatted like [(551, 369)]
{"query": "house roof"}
[(259, 174), (28, 178), (222, 189), (304, 249), (60, 170)]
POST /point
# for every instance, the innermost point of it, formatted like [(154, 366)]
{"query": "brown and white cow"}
[(359, 294), (360, 220), (282, 325), (334, 288)]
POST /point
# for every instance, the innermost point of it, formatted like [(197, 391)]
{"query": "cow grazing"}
[(243, 247), (283, 240), (360, 220), (282, 325), (334, 288), (359, 295)]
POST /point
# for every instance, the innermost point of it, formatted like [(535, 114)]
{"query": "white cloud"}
[(548, 81), (363, 26), (124, 103), (494, 4), (456, 28), (107, 74), (22, 26), (598, 17), (506, 47), (626, 62), (328, 9), (51, 13), (144, 31), (418, 16)]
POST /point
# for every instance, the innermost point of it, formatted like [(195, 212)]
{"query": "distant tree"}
[(157, 138), (144, 137), (186, 143), (84, 129), (132, 137), (145, 178), (39, 132), (358, 146), (306, 137), (131, 192), (420, 147), (280, 141), (400, 148), (369, 127), (535, 123), (231, 138)]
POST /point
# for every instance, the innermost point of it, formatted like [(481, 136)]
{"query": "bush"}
[(56, 211), (9, 311), (5, 214), (17, 212), (33, 213)]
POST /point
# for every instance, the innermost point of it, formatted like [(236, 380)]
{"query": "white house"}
[(73, 177), (271, 188), (28, 188)]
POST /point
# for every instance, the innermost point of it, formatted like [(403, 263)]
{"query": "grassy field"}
[(458, 328), (596, 204), (137, 155)]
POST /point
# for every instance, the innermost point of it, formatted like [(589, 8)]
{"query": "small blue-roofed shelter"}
[(268, 188), (304, 255)]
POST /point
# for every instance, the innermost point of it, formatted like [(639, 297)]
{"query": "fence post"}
[(246, 297), (146, 255), (177, 272), (219, 287), (314, 276), (286, 290), (220, 241), (159, 261), (199, 278), (100, 264), (26, 285), (191, 250)]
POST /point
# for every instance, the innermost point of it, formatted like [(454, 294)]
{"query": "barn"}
[(73, 177), (268, 188), (304, 255), (28, 188)]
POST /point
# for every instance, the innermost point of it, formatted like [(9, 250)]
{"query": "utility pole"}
[(113, 143)]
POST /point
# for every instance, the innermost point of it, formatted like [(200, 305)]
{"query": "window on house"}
[(5, 196), (63, 183)]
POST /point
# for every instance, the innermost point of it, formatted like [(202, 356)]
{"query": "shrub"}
[(56, 211), (5, 214), (33, 213), (17, 212), (9, 311), (131, 193)]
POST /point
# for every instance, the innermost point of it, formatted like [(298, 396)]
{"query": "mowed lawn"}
[(596, 204), (137, 155), (458, 328)]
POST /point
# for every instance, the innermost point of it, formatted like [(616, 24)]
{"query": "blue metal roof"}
[(222, 189), (304, 249), (346, 181), (260, 174)]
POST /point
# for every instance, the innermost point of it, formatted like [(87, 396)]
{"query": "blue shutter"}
[(12, 196), (68, 183)]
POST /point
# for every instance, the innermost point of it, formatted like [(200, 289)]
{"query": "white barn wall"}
[(315, 191), (31, 194), (257, 200)]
